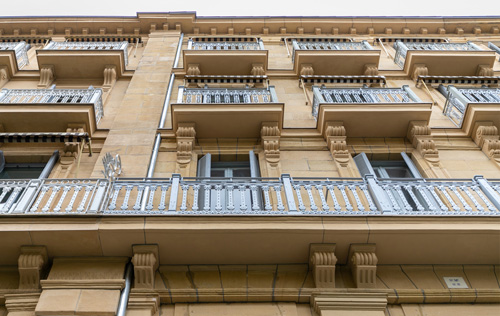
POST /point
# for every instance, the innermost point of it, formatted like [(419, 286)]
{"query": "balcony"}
[(465, 106), (442, 59), (284, 196), (14, 56), (333, 57), (50, 110), (378, 112), (219, 112), (84, 60), (225, 56)]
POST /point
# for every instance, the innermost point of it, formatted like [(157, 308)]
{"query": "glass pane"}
[(241, 172), (21, 172), (398, 172), (217, 173)]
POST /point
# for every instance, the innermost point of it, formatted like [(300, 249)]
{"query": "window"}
[(387, 168), (214, 171)]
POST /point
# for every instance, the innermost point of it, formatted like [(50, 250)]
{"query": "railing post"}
[(378, 195), (286, 179), (488, 191), (30, 193), (494, 47), (274, 96), (174, 192), (190, 44), (97, 206), (261, 44), (180, 95), (366, 45), (411, 94), (3, 93), (474, 46)]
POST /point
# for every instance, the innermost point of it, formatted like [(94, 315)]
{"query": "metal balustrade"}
[(361, 95), (458, 100), (252, 196), (229, 95), (402, 48), (327, 45), (55, 96), (123, 46), (21, 51), (225, 45)]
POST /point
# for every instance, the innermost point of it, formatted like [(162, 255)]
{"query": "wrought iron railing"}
[(232, 44), (458, 100), (402, 48), (21, 51), (55, 96), (230, 95), (361, 95), (123, 46), (252, 196), (327, 45)]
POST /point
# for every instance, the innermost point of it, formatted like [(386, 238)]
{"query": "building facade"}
[(168, 164)]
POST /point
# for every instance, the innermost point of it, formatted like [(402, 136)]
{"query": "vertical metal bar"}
[(174, 191), (274, 96), (151, 169), (488, 191), (290, 199), (50, 165), (383, 204), (411, 94), (122, 305), (178, 52)]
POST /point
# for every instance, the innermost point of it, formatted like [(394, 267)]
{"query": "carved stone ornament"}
[(419, 70), (488, 139), (146, 262), (363, 263), (270, 134), (485, 70), (47, 76), (258, 70), (109, 77), (112, 165), (31, 262), (335, 136), (322, 262), (4, 76), (306, 70), (185, 137), (193, 70), (371, 70), (419, 133)]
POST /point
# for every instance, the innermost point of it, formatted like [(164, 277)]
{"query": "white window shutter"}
[(364, 165)]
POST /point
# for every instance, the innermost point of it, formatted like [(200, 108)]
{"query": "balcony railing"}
[(233, 44), (55, 96), (230, 95), (402, 48), (459, 98), (21, 52), (361, 95), (252, 196), (90, 46), (327, 45)]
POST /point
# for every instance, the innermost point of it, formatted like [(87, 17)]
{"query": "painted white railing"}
[(234, 44), (327, 45), (402, 48), (21, 51), (230, 95), (123, 46), (55, 96), (361, 95), (252, 196)]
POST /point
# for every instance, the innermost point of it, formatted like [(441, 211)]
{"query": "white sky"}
[(252, 7)]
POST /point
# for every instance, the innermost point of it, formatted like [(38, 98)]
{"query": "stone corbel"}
[(419, 134), (143, 303), (109, 78), (47, 76), (488, 139), (31, 263), (185, 137), (258, 70), (306, 70), (4, 76), (70, 152), (485, 70), (335, 136), (322, 261), (270, 135), (363, 263), (371, 70), (146, 262), (419, 70), (193, 70)]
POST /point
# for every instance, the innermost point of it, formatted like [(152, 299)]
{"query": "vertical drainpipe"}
[(161, 124), (122, 304)]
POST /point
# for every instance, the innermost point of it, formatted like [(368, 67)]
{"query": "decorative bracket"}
[(185, 137), (47, 76), (258, 70), (420, 70), (306, 70), (270, 135), (335, 136), (485, 70), (363, 263), (31, 262), (322, 262), (4, 76), (109, 78), (419, 134), (371, 70), (146, 262), (193, 70), (488, 139)]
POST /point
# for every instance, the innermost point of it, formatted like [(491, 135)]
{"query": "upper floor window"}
[(387, 168)]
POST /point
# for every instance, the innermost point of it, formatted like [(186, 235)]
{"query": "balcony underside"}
[(480, 112), (227, 120), (374, 120), (449, 63), (257, 240), (78, 64), (8, 59), (225, 62), (336, 62), (19, 118)]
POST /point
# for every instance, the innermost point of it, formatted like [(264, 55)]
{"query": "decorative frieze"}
[(363, 263), (31, 262), (322, 262), (349, 303), (146, 262), (185, 137), (270, 135)]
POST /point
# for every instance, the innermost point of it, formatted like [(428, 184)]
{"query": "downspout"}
[(161, 124), (122, 304)]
